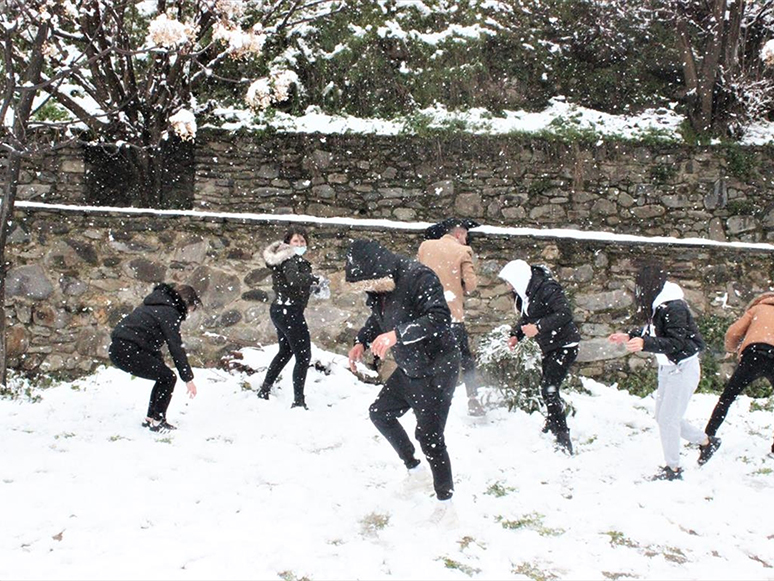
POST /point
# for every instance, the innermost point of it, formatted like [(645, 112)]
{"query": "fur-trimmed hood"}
[(277, 253), (370, 267)]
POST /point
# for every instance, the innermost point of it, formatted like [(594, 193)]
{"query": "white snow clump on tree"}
[(767, 53), (241, 43), (168, 32), (184, 124), (272, 89)]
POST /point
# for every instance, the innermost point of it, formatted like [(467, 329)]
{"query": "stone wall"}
[(74, 274), (721, 193), (717, 193)]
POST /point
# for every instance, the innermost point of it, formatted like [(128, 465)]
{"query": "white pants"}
[(676, 384)]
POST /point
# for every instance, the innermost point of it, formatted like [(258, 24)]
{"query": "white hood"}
[(518, 273), (670, 292)]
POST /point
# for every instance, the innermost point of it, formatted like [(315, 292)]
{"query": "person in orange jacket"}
[(451, 258), (751, 337)]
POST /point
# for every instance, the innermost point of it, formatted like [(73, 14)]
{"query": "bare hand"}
[(382, 344), (619, 338), (529, 330), (512, 342), (355, 355), (634, 345), (191, 387)]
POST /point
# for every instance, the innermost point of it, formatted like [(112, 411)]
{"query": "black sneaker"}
[(706, 452), (666, 473), (299, 404), (263, 393), (160, 426)]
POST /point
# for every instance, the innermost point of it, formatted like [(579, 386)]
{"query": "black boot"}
[(563, 442), (299, 403), (263, 393)]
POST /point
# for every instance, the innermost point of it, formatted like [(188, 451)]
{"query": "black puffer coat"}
[(291, 275), (673, 332), (155, 322), (415, 308), (549, 309)]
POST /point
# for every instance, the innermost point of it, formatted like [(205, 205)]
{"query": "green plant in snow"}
[(618, 539), (532, 521), (499, 489), (450, 563), (372, 523), (291, 576), (762, 405), (515, 373), (533, 572)]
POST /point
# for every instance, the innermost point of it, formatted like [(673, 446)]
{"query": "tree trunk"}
[(149, 166), (6, 215), (19, 139)]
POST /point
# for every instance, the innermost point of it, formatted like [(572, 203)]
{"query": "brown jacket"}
[(453, 263), (755, 326)]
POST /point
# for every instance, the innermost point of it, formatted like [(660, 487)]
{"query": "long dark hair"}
[(292, 231), (189, 296), (648, 283)]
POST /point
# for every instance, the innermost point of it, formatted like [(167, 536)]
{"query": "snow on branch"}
[(169, 33), (184, 124)]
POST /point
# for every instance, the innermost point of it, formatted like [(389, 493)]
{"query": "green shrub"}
[(515, 373), (641, 382), (741, 164)]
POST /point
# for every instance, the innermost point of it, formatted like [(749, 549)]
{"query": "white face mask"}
[(300, 250)]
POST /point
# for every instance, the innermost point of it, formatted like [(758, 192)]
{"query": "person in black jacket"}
[(545, 316), (293, 282), (671, 333), (409, 315), (136, 347)]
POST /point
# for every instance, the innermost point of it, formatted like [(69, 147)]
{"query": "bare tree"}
[(20, 85), (146, 61), (720, 42)]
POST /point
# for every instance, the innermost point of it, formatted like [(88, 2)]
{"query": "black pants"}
[(430, 398), (556, 364), (467, 362), (129, 357), (293, 337), (757, 361)]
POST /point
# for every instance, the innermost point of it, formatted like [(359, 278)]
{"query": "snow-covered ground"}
[(560, 115), (249, 489)]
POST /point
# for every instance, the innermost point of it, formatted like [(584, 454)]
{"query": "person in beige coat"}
[(452, 260), (751, 337)]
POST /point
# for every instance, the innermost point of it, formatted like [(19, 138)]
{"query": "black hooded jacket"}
[(549, 309), (155, 322), (291, 275), (672, 330), (415, 308)]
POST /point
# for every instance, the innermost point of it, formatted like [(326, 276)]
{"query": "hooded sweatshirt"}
[(407, 297), (155, 322), (755, 326), (540, 301), (672, 333)]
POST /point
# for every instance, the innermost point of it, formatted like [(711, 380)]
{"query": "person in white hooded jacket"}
[(671, 333), (545, 316)]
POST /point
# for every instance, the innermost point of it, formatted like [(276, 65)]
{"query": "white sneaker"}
[(419, 479), (445, 515)]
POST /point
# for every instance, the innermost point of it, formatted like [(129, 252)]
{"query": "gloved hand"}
[(321, 289)]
